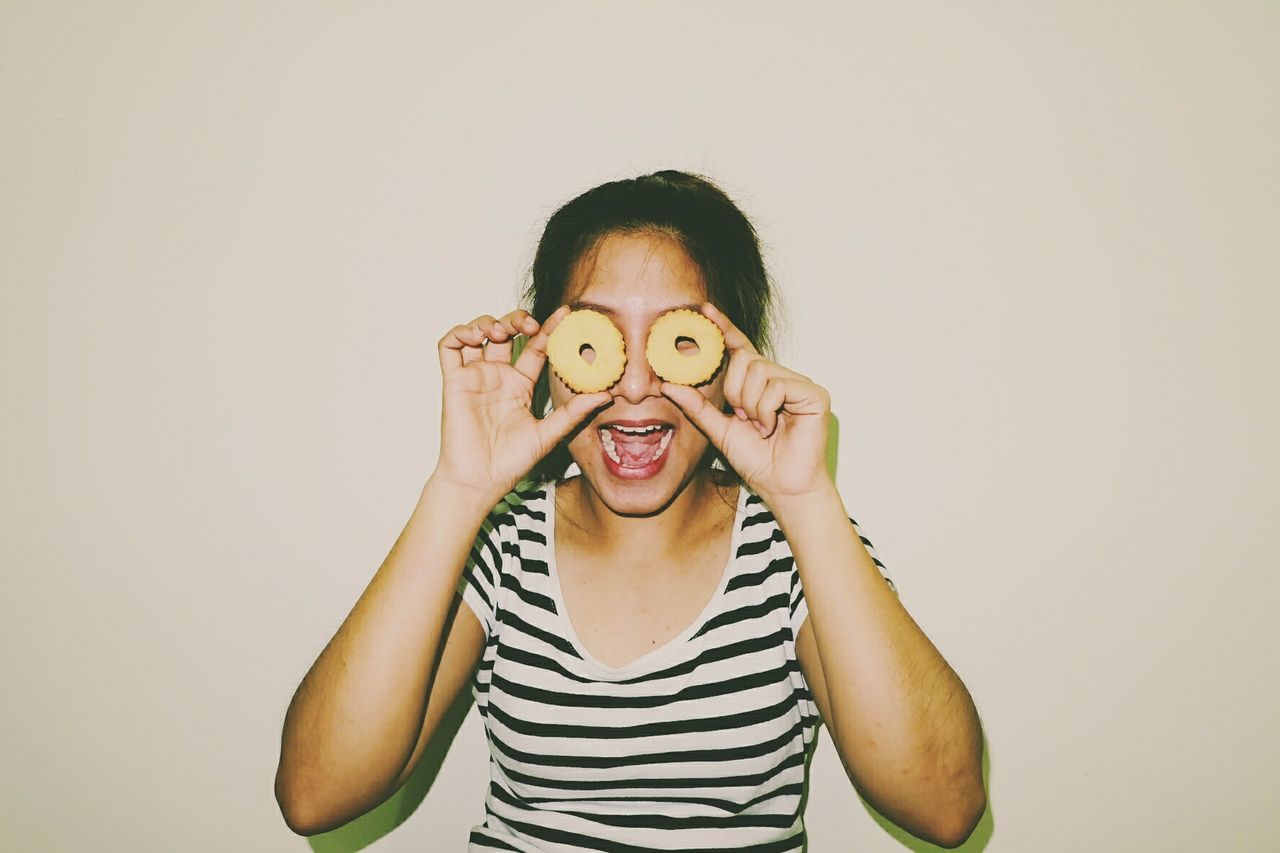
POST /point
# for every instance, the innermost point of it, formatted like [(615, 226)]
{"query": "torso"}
[(624, 601), (700, 743)]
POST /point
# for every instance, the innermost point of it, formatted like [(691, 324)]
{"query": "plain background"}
[(1031, 250)]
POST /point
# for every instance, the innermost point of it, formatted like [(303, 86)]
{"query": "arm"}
[(463, 647), (901, 720), (371, 702), (355, 719)]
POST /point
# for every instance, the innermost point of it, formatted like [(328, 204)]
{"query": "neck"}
[(703, 500)]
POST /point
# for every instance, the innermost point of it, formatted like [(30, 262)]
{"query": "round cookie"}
[(587, 328), (673, 365)]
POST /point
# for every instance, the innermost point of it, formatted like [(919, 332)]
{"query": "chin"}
[(632, 502)]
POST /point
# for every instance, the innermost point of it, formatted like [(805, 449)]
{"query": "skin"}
[(902, 721), (639, 558), (634, 279)]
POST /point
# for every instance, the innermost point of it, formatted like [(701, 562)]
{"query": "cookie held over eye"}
[(578, 332), (675, 366)]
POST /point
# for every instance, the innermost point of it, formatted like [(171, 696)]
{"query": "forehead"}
[(640, 272)]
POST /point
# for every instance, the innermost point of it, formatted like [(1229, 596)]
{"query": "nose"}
[(638, 381)]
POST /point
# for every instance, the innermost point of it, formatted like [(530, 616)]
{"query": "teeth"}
[(609, 446), (662, 445), (637, 430)]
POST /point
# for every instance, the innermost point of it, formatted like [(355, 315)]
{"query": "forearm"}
[(356, 717), (900, 717)]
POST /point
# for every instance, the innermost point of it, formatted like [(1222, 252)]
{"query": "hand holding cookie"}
[(777, 437), (489, 437)]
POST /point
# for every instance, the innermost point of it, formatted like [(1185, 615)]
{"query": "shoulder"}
[(770, 536), (523, 508), (517, 521)]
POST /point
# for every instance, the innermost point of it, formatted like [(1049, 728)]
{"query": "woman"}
[(652, 641)]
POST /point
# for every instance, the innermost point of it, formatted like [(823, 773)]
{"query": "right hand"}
[(489, 439)]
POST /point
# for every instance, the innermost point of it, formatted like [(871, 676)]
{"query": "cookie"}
[(576, 332), (674, 366)]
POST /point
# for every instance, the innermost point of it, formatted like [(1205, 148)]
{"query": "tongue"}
[(636, 451)]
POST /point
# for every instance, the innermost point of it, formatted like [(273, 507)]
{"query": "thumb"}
[(713, 423), (560, 421)]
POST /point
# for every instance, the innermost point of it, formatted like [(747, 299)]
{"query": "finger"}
[(549, 325), (514, 323), (534, 355), (519, 322), (501, 339), (455, 341), (734, 339), (498, 351), (771, 402), (804, 396), (712, 422), (561, 420), (753, 384), (486, 326), (735, 374), (763, 409)]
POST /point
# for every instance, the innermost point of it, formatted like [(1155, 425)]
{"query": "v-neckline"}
[(656, 657)]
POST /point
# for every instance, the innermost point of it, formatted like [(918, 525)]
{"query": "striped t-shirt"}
[(701, 744)]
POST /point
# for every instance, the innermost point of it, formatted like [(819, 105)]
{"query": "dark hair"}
[(687, 207)]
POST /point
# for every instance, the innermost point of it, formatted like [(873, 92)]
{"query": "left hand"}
[(777, 438)]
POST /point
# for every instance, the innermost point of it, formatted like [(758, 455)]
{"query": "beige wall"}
[(1030, 248)]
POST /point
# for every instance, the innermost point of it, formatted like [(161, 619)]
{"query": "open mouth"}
[(636, 447)]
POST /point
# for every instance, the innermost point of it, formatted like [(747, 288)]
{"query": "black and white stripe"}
[(699, 745)]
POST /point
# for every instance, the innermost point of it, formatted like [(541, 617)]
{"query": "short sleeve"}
[(480, 578), (884, 570), (800, 608)]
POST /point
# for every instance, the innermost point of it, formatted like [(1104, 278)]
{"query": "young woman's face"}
[(634, 279)]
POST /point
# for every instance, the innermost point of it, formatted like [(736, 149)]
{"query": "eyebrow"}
[(695, 307)]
